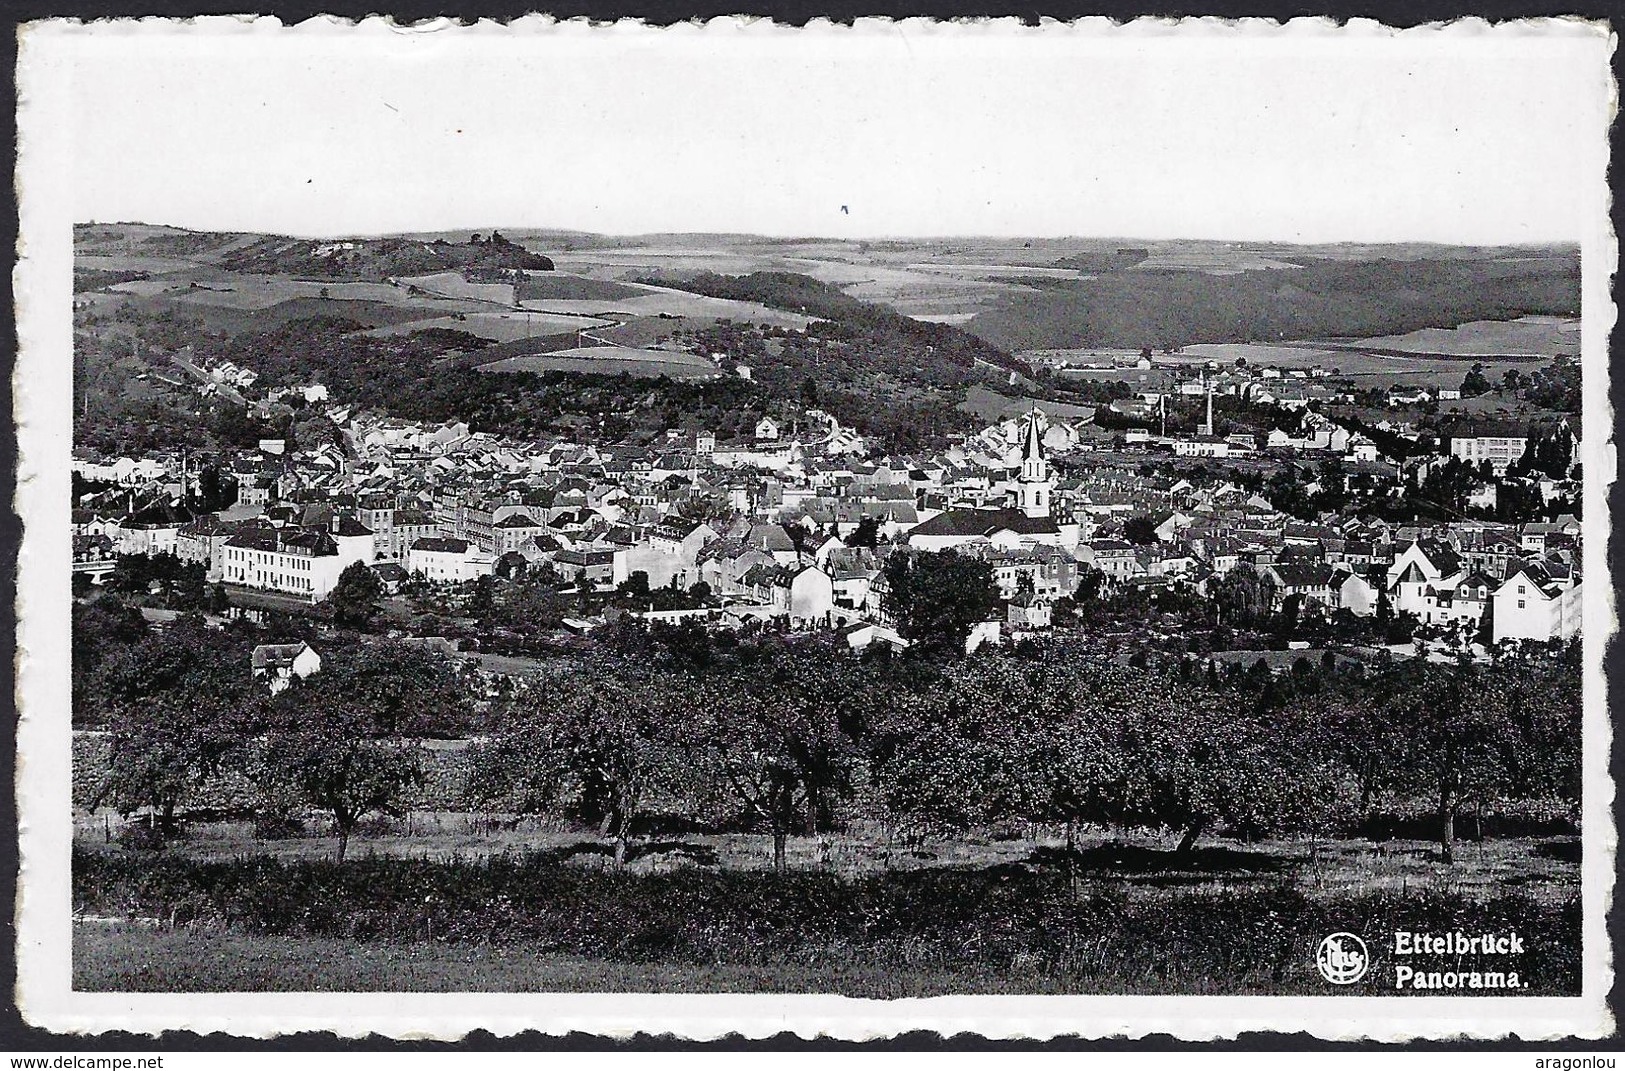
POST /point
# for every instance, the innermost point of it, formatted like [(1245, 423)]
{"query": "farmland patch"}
[(610, 360), (498, 326), (1544, 336), (553, 285), (452, 284)]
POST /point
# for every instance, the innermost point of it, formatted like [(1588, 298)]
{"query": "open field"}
[(499, 326), (453, 284), (124, 958), (204, 285), (1538, 336), (662, 301), (550, 286), (610, 360), (1213, 262)]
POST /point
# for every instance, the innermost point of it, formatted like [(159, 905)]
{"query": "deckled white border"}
[(44, 406)]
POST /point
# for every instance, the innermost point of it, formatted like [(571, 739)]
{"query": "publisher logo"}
[(1342, 959)]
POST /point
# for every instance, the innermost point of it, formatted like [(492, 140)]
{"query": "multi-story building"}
[(303, 562), (1499, 442)]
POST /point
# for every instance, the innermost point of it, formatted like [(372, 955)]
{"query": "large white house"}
[(1531, 604), (1498, 442), (1425, 564), (293, 560), (444, 559)]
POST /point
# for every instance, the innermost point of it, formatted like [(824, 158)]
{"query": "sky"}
[(1150, 131)]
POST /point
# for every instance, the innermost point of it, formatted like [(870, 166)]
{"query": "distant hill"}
[(900, 337), (377, 258)]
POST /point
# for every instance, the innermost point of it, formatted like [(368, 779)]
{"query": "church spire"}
[(1033, 487), (1032, 442)]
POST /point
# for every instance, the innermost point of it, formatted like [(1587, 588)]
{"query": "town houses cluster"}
[(796, 520)]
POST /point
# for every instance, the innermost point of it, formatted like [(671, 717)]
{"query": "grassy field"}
[(134, 959), (551, 286), (1540, 336), (453, 284), (658, 301), (975, 916), (1136, 865), (499, 326)]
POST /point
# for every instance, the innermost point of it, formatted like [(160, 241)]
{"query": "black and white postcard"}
[(1077, 529)]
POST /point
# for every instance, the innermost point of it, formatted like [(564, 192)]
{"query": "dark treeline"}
[(1321, 299)]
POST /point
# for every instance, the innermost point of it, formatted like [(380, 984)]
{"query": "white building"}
[(280, 663), (447, 560), (304, 562), (1531, 605)]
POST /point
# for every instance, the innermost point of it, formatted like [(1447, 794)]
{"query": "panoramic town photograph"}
[(846, 607)]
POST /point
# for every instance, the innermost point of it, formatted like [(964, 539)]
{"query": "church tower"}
[(1034, 487)]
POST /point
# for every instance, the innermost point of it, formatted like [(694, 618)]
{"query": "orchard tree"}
[(344, 740), (613, 732), (783, 728), (1453, 746), (181, 705)]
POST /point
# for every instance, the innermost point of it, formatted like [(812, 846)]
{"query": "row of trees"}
[(785, 732), (789, 736), (186, 713)]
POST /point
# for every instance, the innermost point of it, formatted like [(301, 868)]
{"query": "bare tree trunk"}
[(1188, 841), (778, 850), (344, 841), (1447, 826), (623, 828), (1072, 858)]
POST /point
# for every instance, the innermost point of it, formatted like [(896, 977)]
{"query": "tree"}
[(938, 597), (344, 740), (1475, 383), (182, 704), (1244, 597), (1140, 530), (784, 732), (611, 732), (865, 534), (354, 598), (1452, 744), (103, 629)]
